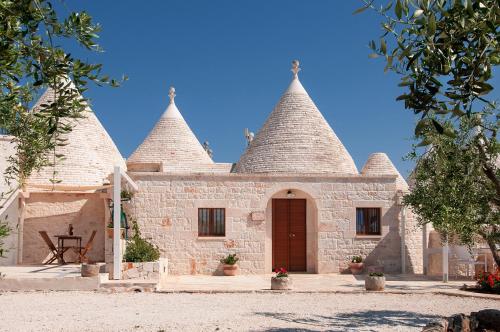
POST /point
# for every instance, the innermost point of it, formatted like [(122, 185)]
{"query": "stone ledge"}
[(318, 177)]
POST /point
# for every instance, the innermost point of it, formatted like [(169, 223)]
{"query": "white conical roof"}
[(380, 164), (296, 138), (89, 155), (171, 141)]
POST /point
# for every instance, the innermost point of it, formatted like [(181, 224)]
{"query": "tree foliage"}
[(445, 52), (32, 59), (452, 191), (4, 232)]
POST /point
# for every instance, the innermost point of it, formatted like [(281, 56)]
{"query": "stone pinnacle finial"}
[(171, 94), (295, 68)]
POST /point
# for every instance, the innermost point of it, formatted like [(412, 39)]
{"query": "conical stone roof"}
[(171, 142), (296, 138), (380, 164), (89, 155)]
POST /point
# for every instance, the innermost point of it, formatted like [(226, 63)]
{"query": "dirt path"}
[(89, 311)]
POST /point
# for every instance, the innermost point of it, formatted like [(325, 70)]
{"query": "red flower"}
[(491, 282)]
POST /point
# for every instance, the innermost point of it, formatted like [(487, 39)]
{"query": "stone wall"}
[(7, 148), (457, 254), (145, 270), (166, 208), (413, 243), (9, 214), (53, 212)]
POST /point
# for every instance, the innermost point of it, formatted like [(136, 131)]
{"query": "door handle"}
[(292, 235)]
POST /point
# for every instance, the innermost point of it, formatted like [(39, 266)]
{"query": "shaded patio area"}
[(45, 277)]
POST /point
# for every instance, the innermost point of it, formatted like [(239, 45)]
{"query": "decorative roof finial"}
[(295, 68), (171, 94)]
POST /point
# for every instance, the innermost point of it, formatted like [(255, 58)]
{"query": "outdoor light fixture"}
[(290, 194)]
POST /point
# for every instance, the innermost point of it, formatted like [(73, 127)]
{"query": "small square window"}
[(211, 222), (368, 221)]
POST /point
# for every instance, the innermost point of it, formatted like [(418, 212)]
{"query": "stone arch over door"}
[(311, 226)]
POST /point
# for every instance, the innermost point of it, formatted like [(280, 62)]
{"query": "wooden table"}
[(62, 249)]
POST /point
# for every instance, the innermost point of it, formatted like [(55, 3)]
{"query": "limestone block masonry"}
[(142, 270), (166, 208)]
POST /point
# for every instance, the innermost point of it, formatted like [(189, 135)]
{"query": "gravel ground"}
[(89, 311)]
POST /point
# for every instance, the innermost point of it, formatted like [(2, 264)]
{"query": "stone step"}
[(129, 285)]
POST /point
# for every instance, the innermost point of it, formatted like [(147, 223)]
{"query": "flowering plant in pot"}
[(375, 281), (356, 264), (229, 264), (280, 281)]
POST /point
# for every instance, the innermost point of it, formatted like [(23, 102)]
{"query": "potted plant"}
[(126, 195), (375, 281), (89, 270), (229, 264), (281, 281), (356, 265), (110, 231)]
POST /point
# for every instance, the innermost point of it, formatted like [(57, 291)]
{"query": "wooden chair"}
[(55, 253), (84, 250)]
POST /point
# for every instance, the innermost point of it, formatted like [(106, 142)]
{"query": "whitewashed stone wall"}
[(9, 214), (53, 212), (9, 203), (7, 148), (414, 244), (166, 208)]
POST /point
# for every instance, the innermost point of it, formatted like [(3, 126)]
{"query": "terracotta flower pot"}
[(89, 270), (111, 233), (230, 270), (356, 268), (373, 283), (282, 283)]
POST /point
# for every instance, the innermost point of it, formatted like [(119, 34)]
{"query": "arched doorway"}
[(289, 234), (291, 231)]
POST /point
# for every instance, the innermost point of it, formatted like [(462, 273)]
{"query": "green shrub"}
[(230, 259), (4, 232), (139, 249), (356, 259), (376, 274)]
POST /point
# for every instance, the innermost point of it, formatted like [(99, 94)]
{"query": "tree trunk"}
[(494, 251), (489, 172)]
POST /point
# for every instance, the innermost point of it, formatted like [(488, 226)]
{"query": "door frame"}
[(289, 248)]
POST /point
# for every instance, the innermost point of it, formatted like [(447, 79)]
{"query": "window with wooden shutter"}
[(368, 221), (211, 222)]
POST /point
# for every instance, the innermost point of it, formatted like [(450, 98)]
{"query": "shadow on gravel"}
[(355, 320)]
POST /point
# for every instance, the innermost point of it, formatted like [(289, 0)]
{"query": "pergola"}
[(118, 175)]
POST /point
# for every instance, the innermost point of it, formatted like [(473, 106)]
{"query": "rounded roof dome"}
[(380, 164), (296, 138), (89, 153), (171, 141)]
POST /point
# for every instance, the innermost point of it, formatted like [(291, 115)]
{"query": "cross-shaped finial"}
[(171, 94), (295, 68)]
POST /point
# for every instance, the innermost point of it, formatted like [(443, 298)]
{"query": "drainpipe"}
[(117, 250)]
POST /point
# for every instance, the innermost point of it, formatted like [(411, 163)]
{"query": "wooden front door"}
[(289, 234)]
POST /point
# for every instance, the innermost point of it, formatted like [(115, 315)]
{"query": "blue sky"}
[(230, 62)]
